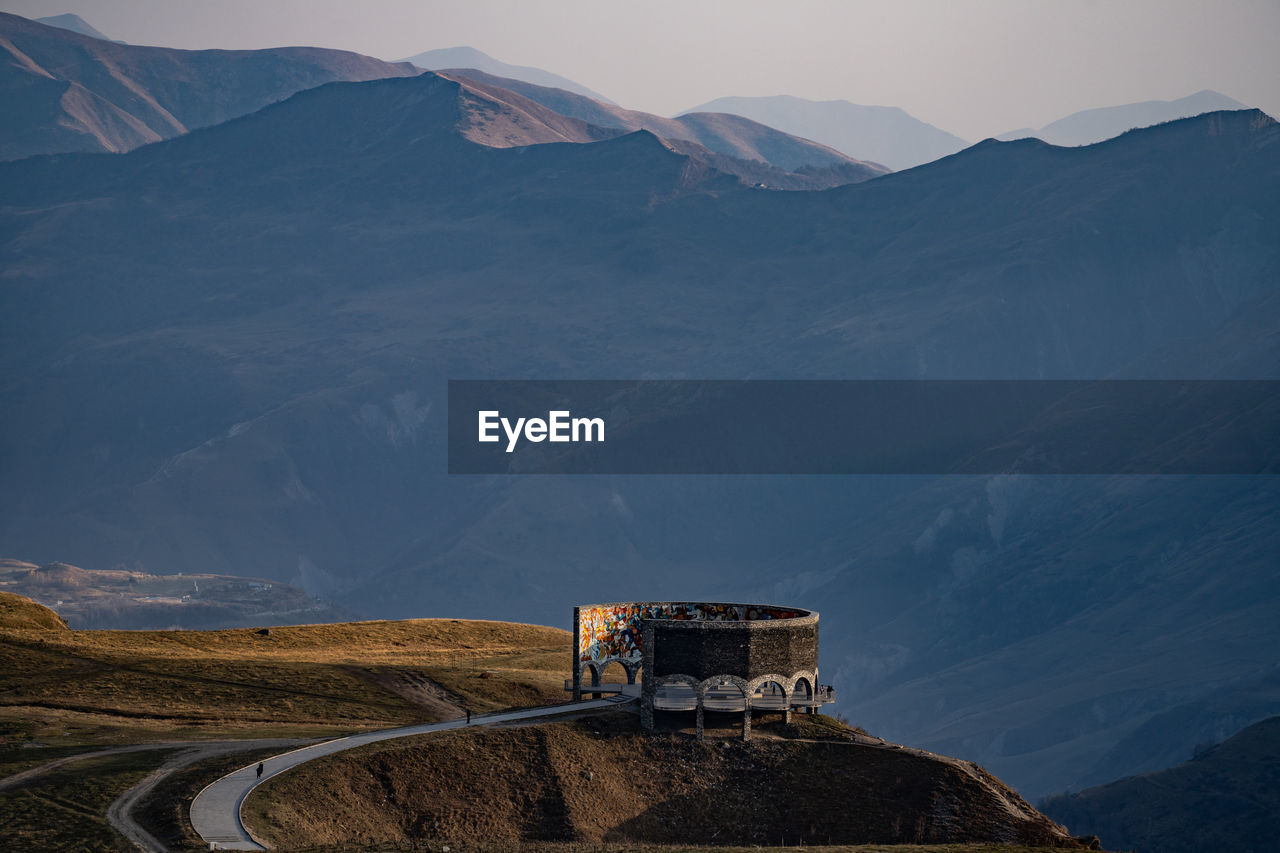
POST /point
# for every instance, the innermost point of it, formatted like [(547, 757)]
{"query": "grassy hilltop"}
[(148, 696), (67, 693), (84, 687)]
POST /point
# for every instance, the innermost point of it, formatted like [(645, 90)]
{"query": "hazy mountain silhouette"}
[(1089, 126), (64, 91), (1226, 798), (469, 57), (719, 133), (885, 135), (76, 24), (231, 347)]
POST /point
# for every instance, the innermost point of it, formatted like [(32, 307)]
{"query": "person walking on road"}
[(468, 716), (259, 769)]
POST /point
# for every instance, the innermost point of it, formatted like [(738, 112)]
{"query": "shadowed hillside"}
[(1226, 798), (597, 780)]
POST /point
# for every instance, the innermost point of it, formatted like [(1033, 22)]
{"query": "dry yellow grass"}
[(63, 686), (17, 611)]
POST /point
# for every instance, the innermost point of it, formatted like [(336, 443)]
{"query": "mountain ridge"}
[(75, 24), (1101, 123), (721, 133), (468, 57), (1223, 798), (109, 96), (887, 135), (241, 338)]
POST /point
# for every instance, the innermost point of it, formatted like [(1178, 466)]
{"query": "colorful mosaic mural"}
[(613, 631)]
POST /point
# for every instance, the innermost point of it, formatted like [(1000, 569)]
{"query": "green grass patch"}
[(66, 809)]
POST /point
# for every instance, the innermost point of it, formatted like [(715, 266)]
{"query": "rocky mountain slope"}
[(65, 91)]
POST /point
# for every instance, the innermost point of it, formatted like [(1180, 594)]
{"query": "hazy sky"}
[(975, 67)]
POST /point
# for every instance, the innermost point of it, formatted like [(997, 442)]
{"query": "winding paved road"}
[(215, 812)]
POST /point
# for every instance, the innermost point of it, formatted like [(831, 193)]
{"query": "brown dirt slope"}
[(599, 780)]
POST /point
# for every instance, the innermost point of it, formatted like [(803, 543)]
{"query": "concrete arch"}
[(740, 684), (716, 680), (633, 670), (787, 684), (589, 672), (778, 699), (809, 681), (621, 665), (809, 676), (677, 679), (655, 698)]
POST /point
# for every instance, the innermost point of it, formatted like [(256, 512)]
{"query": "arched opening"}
[(589, 676), (677, 694), (722, 697), (614, 672), (802, 695), (770, 696)]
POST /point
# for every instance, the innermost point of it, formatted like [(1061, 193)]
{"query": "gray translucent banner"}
[(864, 427)]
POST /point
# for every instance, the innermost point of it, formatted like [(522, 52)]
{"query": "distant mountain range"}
[(124, 598), (64, 91), (76, 24), (890, 136), (1090, 126), (1226, 798), (229, 349), (886, 135), (730, 135), (469, 57), (103, 96)]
